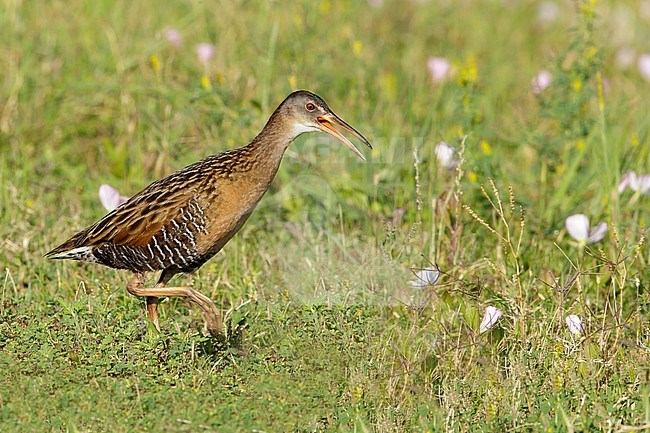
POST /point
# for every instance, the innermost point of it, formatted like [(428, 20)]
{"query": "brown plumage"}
[(179, 222)]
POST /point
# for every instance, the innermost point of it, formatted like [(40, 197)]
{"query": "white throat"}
[(299, 128)]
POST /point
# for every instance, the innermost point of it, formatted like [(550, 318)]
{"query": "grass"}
[(326, 334)]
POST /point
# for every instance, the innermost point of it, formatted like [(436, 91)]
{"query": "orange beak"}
[(327, 123)]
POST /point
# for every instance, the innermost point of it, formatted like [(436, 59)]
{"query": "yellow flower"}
[(468, 71), (325, 7), (205, 82), (588, 7), (357, 394), (580, 144), (486, 148), (297, 20), (389, 85), (155, 63), (357, 47), (577, 85), (591, 52), (473, 177), (293, 82), (634, 140)]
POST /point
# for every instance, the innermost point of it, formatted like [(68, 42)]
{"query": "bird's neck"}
[(271, 143), (266, 150)]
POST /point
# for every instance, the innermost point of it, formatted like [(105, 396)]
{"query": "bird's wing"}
[(135, 222)]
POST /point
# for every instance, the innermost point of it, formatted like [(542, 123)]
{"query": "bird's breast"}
[(228, 210)]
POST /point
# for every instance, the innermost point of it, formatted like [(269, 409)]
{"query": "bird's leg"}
[(212, 314), (152, 301), (152, 310)]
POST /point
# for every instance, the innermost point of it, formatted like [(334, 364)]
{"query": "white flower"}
[(578, 227), (541, 81), (425, 277), (635, 182), (439, 67), (446, 155), (644, 66), (574, 323), (642, 184), (490, 317), (110, 197)]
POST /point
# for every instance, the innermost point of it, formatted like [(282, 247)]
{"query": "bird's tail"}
[(79, 253)]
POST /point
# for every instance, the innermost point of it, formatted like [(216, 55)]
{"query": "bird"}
[(176, 224)]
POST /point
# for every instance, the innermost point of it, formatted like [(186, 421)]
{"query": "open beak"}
[(327, 122)]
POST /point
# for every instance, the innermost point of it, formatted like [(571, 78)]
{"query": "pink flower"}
[(397, 216), (490, 317), (635, 182), (578, 227), (574, 323), (205, 52), (541, 81), (547, 12), (446, 155), (644, 66), (439, 67), (626, 180), (173, 36), (110, 197)]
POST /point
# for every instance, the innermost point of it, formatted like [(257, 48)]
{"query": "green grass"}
[(325, 333)]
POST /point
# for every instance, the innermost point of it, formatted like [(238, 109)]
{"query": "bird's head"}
[(307, 112)]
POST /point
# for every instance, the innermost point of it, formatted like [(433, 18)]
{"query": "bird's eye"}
[(310, 107)]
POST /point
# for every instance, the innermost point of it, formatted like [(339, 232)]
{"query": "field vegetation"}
[(356, 295)]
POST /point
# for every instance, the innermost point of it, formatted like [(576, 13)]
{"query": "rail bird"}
[(179, 222)]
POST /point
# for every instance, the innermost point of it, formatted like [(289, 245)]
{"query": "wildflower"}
[(425, 277), (357, 48), (644, 66), (574, 323), (293, 82), (541, 81), (439, 67), (486, 148), (206, 83), (446, 155), (325, 7), (636, 182), (397, 217), (468, 72), (547, 12), (173, 36), (155, 63), (578, 227), (110, 197), (490, 317), (205, 52)]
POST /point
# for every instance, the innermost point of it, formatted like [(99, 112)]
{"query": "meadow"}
[(333, 326)]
